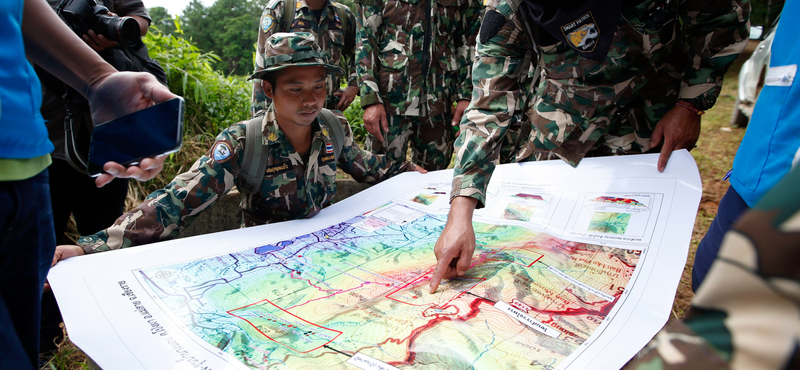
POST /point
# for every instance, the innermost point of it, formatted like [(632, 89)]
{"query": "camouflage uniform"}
[(294, 186), (414, 57), (746, 314), (328, 31), (584, 107)]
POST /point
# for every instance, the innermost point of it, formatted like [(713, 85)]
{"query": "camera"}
[(84, 15)]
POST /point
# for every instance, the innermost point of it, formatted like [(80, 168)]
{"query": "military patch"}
[(272, 136), (324, 131), (583, 33), (300, 23), (221, 152), (336, 17), (267, 22), (327, 158), (329, 148), (278, 169), (491, 24), (299, 5)]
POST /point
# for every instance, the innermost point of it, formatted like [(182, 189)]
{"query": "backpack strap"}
[(519, 7), (288, 15), (251, 174), (337, 131)]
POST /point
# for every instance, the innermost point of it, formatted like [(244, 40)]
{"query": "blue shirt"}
[(773, 135), (23, 133)]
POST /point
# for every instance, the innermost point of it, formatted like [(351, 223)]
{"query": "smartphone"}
[(152, 131)]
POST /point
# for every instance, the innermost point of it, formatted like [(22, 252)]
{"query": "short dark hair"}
[(272, 78)]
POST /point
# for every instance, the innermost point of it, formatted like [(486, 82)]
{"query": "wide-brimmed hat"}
[(286, 49)]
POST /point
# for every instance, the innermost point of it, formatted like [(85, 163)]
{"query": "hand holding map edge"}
[(455, 246)]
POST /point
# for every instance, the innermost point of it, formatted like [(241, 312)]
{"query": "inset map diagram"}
[(523, 205), (615, 214), (362, 287), (435, 196)]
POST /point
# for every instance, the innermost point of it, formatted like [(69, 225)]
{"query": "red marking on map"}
[(332, 331), (528, 196), (606, 199), (520, 305)]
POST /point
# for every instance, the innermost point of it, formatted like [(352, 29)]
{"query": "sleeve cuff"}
[(370, 99), (461, 189), (92, 244)]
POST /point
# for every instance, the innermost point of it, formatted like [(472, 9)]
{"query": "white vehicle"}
[(751, 76)]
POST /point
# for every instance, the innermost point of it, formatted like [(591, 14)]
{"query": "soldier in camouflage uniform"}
[(622, 101), (322, 19), (300, 173), (413, 62), (746, 314)]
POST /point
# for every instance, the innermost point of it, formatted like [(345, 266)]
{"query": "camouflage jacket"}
[(293, 187), (328, 32), (746, 314), (582, 105), (415, 56)]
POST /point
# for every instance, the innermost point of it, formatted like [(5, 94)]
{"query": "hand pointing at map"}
[(456, 245)]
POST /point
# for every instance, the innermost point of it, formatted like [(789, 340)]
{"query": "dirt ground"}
[(714, 154)]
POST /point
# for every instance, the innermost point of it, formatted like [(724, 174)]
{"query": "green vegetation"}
[(213, 101)]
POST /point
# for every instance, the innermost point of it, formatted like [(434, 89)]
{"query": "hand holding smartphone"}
[(150, 132)]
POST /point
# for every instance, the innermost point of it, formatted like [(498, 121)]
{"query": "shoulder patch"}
[(221, 152), (491, 24), (267, 23)]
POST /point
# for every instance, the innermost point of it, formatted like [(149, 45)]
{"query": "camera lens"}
[(120, 29), (128, 31)]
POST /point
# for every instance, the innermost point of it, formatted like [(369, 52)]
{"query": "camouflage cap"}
[(285, 49)]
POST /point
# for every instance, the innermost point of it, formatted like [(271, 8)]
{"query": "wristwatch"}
[(703, 102)]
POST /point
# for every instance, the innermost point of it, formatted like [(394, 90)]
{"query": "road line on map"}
[(580, 284)]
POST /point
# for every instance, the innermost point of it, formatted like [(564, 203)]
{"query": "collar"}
[(273, 134)]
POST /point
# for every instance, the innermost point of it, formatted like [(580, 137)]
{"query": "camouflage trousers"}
[(431, 140)]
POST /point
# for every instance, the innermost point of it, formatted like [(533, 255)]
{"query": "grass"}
[(714, 155)]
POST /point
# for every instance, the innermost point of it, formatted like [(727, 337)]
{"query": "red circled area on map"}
[(285, 328)]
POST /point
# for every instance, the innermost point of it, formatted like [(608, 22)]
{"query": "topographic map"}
[(361, 286), (574, 269)]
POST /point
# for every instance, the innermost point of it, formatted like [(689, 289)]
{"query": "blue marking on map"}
[(264, 249)]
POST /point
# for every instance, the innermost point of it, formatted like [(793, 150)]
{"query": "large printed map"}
[(361, 287), (574, 269)]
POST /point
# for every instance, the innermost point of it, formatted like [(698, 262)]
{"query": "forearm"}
[(52, 45), (166, 212)]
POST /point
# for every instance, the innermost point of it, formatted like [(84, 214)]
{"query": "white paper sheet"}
[(594, 253)]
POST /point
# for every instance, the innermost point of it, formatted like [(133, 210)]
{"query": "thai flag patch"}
[(329, 148)]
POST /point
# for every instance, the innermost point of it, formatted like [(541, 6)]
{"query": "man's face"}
[(299, 95)]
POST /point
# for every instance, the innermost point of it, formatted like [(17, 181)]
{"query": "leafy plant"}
[(213, 101)]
